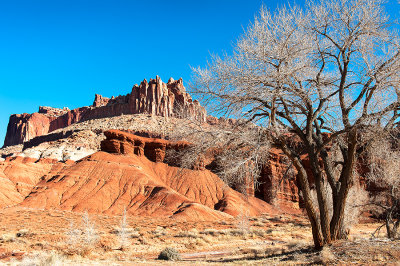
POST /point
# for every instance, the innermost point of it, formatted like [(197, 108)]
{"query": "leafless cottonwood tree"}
[(323, 72), (384, 173)]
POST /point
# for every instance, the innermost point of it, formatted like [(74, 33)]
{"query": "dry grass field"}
[(42, 237)]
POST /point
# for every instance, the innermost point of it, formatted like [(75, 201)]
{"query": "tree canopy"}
[(325, 74)]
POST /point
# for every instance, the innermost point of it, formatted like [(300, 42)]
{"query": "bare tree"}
[(384, 173), (324, 74), (234, 150)]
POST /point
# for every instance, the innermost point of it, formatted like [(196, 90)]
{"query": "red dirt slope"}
[(108, 183), (19, 175)]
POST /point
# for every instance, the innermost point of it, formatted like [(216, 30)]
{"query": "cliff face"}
[(154, 97), (23, 127)]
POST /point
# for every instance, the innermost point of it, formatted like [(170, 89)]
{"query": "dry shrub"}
[(193, 233), (82, 241), (7, 238), (159, 231), (169, 254), (211, 232), (325, 256), (107, 243), (23, 233), (243, 221), (41, 259)]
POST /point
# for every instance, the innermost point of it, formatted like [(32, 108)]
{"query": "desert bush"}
[(210, 231), (22, 233), (7, 238), (325, 257), (243, 221), (258, 232), (169, 254), (82, 241), (41, 259)]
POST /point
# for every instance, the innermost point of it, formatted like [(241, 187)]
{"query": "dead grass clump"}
[(325, 256), (159, 231), (258, 232), (107, 244), (142, 240), (6, 238), (23, 233), (237, 232), (193, 233), (211, 232), (42, 259), (258, 223), (39, 245)]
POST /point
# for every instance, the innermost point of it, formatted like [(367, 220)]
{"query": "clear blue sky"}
[(61, 52)]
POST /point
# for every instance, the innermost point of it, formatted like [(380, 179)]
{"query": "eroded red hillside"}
[(133, 177), (109, 183), (19, 175)]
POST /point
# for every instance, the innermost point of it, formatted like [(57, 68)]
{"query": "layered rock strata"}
[(153, 148), (154, 97)]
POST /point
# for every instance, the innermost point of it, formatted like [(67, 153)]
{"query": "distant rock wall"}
[(154, 97)]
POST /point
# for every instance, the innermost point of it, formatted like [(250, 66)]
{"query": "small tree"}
[(319, 75)]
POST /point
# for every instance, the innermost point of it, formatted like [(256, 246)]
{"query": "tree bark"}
[(346, 181), (305, 189), (321, 196)]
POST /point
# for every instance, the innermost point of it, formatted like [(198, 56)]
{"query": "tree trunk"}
[(321, 196), (305, 189), (346, 181)]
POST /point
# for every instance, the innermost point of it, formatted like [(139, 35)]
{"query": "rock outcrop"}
[(154, 97), (277, 181), (124, 143), (110, 182)]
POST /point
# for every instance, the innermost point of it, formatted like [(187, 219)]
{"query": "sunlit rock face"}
[(154, 97)]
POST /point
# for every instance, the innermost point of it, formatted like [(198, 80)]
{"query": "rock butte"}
[(154, 97)]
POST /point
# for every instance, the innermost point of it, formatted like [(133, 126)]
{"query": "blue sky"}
[(60, 53)]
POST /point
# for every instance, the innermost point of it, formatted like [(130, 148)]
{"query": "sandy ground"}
[(41, 237)]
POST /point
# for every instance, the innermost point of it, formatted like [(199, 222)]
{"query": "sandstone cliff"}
[(154, 97)]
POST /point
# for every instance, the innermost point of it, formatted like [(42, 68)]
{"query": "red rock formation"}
[(24, 127), (108, 183), (124, 143), (154, 97), (18, 176), (277, 181), (100, 100)]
